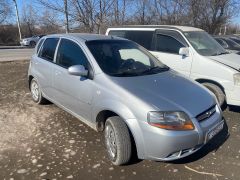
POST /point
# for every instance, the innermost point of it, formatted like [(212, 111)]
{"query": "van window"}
[(167, 44), (144, 38), (69, 54), (48, 50), (117, 33)]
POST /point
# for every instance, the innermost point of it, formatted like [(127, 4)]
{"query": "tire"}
[(117, 141), (217, 91), (36, 92), (32, 44)]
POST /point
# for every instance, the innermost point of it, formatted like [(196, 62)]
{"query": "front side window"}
[(168, 44), (204, 44), (48, 49), (69, 54), (124, 58)]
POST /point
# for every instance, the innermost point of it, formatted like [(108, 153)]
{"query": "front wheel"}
[(117, 141), (217, 91)]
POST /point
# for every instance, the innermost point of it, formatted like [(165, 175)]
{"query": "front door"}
[(73, 92), (166, 49)]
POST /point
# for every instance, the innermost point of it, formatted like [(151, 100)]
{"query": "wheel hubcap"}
[(35, 90), (111, 141)]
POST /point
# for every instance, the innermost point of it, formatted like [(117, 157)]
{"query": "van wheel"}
[(36, 92), (217, 91), (117, 141)]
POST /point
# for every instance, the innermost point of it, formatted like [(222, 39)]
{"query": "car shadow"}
[(234, 108), (212, 146)]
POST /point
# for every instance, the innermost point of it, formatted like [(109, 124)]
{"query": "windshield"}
[(204, 44), (124, 58)]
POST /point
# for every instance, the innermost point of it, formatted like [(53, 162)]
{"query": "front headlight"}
[(170, 120), (236, 78)]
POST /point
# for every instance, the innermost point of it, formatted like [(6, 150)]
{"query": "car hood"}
[(168, 91), (232, 60)]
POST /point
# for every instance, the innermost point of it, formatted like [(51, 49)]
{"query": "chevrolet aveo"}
[(116, 86)]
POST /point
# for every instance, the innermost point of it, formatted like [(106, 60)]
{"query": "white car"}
[(31, 41), (192, 52)]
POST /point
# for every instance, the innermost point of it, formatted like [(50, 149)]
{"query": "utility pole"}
[(66, 16), (18, 22)]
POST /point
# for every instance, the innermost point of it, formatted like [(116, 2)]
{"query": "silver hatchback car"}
[(116, 86)]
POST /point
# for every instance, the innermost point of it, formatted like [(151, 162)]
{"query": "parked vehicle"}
[(228, 44), (116, 86), (236, 39), (31, 41), (192, 52)]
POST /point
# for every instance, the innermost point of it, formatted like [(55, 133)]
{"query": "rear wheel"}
[(117, 141), (217, 91), (36, 92)]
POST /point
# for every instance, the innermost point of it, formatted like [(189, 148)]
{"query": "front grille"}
[(206, 114)]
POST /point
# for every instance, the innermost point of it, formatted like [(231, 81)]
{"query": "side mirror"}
[(184, 51), (78, 70)]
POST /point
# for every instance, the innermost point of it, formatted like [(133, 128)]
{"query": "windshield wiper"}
[(125, 73), (221, 53), (155, 69)]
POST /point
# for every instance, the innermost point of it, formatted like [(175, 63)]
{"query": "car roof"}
[(181, 28), (85, 36)]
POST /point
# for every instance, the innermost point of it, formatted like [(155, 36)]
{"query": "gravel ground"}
[(44, 142)]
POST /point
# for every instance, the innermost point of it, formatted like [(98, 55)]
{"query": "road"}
[(15, 54), (44, 142)]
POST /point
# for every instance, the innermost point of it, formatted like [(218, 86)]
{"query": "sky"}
[(22, 2)]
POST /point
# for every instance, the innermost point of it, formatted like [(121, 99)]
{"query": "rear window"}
[(48, 49), (144, 38)]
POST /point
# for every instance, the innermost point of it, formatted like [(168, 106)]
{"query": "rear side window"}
[(69, 54), (167, 44), (48, 49)]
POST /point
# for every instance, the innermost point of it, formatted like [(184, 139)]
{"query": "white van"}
[(192, 52)]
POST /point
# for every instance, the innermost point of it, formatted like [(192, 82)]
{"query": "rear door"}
[(166, 45), (73, 92), (44, 64)]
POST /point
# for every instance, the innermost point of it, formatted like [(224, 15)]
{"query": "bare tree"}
[(29, 20), (58, 6), (5, 10)]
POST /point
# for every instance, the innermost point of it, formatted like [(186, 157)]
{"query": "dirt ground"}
[(44, 142)]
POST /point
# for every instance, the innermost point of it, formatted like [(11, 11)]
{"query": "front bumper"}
[(233, 97), (166, 145)]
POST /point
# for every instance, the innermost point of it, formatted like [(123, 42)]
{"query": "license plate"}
[(214, 131)]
